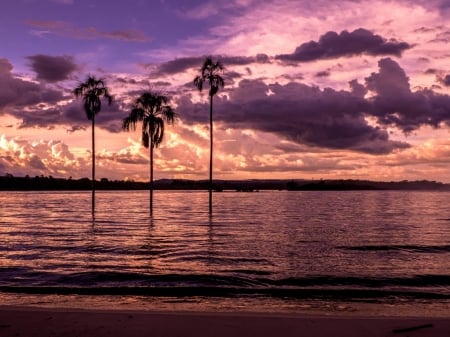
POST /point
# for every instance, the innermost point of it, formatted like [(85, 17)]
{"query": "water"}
[(366, 251)]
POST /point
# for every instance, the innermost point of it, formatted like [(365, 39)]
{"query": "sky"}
[(318, 89)]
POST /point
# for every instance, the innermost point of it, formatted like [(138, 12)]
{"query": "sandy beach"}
[(28, 322)]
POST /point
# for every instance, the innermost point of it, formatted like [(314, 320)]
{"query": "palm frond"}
[(219, 66), (169, 114), (152, 110), (128, 124), (158, 132), (92, 90), (145, 139), (198, 82), (210, 72)]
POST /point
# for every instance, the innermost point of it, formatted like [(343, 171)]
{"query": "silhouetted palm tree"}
[(92, 91), (152, 109), (210, 72)]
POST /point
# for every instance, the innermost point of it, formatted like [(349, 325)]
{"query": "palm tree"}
[(210, 72), (92, 90), (152, 109)]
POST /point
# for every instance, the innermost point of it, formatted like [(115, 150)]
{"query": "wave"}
[(210, 285), (409, 248), (422, 281), (253, 279), (195, 291)]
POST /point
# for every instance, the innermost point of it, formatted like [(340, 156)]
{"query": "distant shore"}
[(42, 183), (26, 321)]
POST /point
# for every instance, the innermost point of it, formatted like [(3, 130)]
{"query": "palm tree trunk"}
[(93, 165), (210, 152), (151, 176)]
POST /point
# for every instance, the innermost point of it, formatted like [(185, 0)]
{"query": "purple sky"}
[(314, 89)]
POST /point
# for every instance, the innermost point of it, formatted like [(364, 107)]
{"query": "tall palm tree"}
[(92, 91), (210, 73), (152, 109)]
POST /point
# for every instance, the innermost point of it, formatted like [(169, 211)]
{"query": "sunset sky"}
[(314, 89)]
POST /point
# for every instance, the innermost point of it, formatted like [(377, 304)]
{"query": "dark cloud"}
[(446, 80), (52, 68), (333, 45), (357, 89), (36, 105), (15, 93), (109, 118), (303, 114), (324, 73), (161, 84), (232, 76), (244, 60), (71, 114), (180, 65), (395, 104), (36, 163), (262, 58), (123, 81), (326, 117)]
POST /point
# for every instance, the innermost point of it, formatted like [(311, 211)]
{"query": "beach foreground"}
[(15, 321)]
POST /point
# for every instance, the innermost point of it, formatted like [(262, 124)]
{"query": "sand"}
[(34, 322)]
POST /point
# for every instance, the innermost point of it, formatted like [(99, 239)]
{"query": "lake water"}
[(369, 252)]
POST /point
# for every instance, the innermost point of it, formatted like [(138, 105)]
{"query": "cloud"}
[(324, 73), (300, 113), (36, 163), (334, 45), (446, 80), (244, 60), (75, 128), (328, 118), (36, 105), (64, 2), (61, 28), (210, 9), (41, 157), (54, 157), (17, 93), (393, 102), (73, 114), (180, 65), (52, 68), (129, 155)]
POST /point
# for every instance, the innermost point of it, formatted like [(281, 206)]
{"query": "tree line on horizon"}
[(9, 182), (152, 110)]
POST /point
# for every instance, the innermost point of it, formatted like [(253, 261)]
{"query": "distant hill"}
[(41, 183)]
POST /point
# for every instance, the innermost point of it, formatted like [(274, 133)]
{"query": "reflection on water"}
[(269, 240)]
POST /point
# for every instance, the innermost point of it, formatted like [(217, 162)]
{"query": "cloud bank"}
[(329, 118), (180, 65), (345, 44), (52, 68), (16, 93), (37, 105)]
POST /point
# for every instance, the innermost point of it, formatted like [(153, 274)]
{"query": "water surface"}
[(264, 251)]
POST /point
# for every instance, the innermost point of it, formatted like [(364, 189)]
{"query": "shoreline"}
[(40, 322), (271, 306)]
